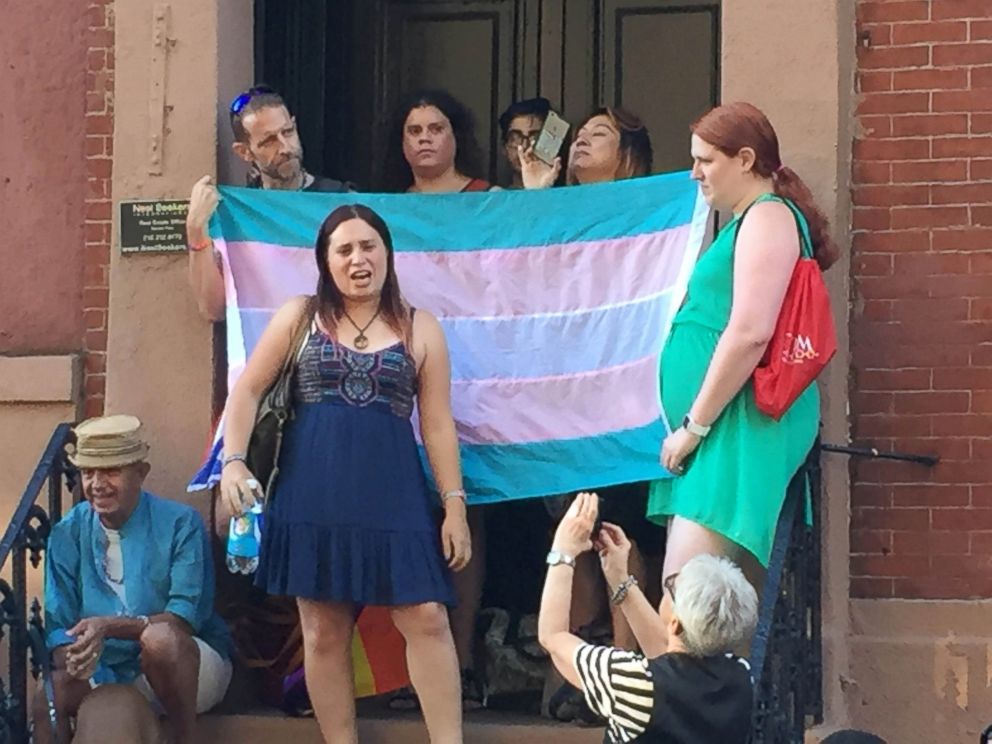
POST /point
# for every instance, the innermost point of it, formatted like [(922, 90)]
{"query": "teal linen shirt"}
[(167, 568)]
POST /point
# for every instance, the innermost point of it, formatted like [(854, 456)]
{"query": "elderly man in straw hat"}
[(129, 597)]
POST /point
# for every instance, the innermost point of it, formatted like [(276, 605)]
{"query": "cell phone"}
[(550, 139)]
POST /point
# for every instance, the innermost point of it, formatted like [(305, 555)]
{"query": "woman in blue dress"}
[(351, 520)]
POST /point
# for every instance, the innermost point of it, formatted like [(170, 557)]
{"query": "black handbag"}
[(275, 408)]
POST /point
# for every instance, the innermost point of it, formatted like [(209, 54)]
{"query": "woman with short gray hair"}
[(697, 690)]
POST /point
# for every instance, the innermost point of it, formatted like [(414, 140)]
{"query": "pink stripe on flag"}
[(485, 283), (562, 407)]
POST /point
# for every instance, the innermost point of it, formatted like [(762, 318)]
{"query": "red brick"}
[(981, 123), (977, 193), (929, 171), (981, 260), (931, 354), (982, 356), (96, 363), (871, 588), (871, 541), (99, 167), (961, 239), (872, 264), (896, 287), (867, 218), (96, 17), (960, 9), (957, 100), (896, 103), (876, 127), (981, 402), (96, 298), (874, 81), (892, 196), (97, 232), (981, 77), (910, 10), (965, 471), (95, 384), (893, 566), (962, 519), (962, 378), (981, 449), (979, 30), (95, 255), (962, 147), (960, 424), (946, 448), (100, 37), (94, 146), (981, 543), (96, 60), (876, 310), (981, 170), (937, 542), (914, 264), (961, 286), (97, 188), (873, 172), (95, 320), (889, 471), (99, 124), (917, 33), (95, 276), (98, 210), (887, 425), (941, 587), (928, 217), (961, 566), (94, 407), (932, 402), (971, 53), (893, 58), (930, 124), (866, 494), (871, 403), (903, 241), (893, 379), (931, 309), (953, 79), (980, 309), (981, 216)]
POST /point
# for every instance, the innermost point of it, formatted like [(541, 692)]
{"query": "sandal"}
[(472, 695), (568, 705), (404, 699)]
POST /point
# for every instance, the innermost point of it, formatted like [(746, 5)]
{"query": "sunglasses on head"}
[(242, 100), (669, 584)]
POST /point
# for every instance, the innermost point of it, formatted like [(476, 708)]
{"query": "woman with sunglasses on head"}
[(351, 521), (610, 145)]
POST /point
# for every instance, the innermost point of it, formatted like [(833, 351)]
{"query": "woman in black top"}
[(693, 691)]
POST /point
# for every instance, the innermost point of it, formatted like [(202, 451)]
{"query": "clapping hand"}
[(614, 553)]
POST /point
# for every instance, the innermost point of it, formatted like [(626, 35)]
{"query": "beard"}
[(285, 171)]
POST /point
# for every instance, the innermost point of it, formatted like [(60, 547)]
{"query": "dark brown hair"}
[(636, 153), (732, 127), (397, 175), (330, 301)]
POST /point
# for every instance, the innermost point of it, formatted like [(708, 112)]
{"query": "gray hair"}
[(716, 605)]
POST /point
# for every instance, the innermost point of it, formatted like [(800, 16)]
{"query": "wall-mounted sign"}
[(153, 225)]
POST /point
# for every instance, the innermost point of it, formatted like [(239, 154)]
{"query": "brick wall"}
[(99, 166), (922, 320)]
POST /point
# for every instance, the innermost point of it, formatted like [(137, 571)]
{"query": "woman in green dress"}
[(732, 463)]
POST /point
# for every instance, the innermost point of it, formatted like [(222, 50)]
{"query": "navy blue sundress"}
[(352, 518)]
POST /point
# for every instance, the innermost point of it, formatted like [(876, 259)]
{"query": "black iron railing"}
[(21, 622)]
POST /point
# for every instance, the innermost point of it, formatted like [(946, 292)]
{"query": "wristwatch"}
[(556, 558), (693, 428)]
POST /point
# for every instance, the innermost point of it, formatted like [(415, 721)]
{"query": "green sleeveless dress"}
[(735, 481)]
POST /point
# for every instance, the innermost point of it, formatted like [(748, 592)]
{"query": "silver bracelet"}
[(233, 458), (457, 493), (621, 593)]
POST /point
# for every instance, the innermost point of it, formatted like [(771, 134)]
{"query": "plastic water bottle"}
[(243, 540)]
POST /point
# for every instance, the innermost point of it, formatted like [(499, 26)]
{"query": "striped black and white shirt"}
[(673, 698)]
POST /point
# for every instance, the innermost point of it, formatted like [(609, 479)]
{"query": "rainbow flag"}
[(555, 304)]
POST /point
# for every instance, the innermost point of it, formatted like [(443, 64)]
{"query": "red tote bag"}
[(804, 340)]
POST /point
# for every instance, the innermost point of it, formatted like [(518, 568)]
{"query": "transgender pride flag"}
[(555, 304)]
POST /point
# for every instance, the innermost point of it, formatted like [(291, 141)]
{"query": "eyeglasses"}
[(669, 584), (241, 101), (515, 138)]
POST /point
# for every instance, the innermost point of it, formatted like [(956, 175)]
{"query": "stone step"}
[(483, 727)]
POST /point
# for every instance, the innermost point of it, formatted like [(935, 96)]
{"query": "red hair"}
[(732, 127)]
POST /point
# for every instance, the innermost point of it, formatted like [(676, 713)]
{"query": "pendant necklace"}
[(361, 340)]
